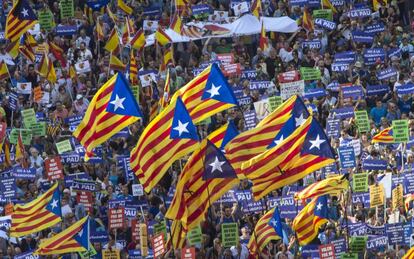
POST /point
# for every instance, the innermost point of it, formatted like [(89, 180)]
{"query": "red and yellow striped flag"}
[(328, 4), (409, 254), (4, 71), (47, 70), (264, 41), (256, 8), (13, 48), (20, 151), (177, 24), (99, 31), (133, 69), (112, 45), (385, 136), (161, 37), (333, 186), (307, 20), (26, 49), (20, 19), (263, 233), (165, 99)]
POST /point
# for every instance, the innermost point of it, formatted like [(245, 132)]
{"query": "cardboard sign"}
[(231, 69), (274, 102), (66, 9), (293, 88), (323, 14), (85, 198), (349, 256), (64, 146), (347, 157), (45, 19), (397, 197), (358, 244), (158, 245), (88, 254), (54, 168), (38, 128), (135, 230), (362, 121), (400, 130), (29, 117), (327, 251), (376, 195), (25, 133), (161, 228), (290, 76), (143, 237), (116, 218), (194, 236), (111, 254), (310, 73), (229, 234), (188, 253), (360, 182)]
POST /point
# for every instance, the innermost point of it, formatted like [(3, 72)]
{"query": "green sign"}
[(360, 182), (349, 256), (66, 9), (45, 18), (90, 253), (161, 228), (63, 146), (38, 129), (29, 117), (135, 91), (358, 244), (229, 234), (26, 136), (362, 121), (400, 130), (323, 14), (274, 102), (310, 73), (194, 236)]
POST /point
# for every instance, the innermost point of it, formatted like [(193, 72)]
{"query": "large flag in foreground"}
[(39, 214), (306, 150), (73, 239), (333, 186), (159, 145), (113, 108), (20, 19)]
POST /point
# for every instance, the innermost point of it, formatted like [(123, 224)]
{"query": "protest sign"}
[(161, 227), (137, 190), (45, 18), (340, 67), (327, 251), (323, 14), (310, 73), (400, 130), (333, 127), (25, 133), (83, 67), (314, 93), (259, 85), (194, 236), (54, 168), (135, 229), (340, 246), (373, 90), (143, 237), (358, 244), (397, 197), (362, 121), (250, 119), (66, 30), (116, 218), (249, 74), (227, 58), (247, 203), (38, 129), (347, 157), (360, 182), (262, 108), (374, 164), (29, 117), (386, 73), (188, 253), (83, 185), (152, 12), (376, 195), (346, 57), (37, 94), (66, 9), (359, 13), (8, 209), (64, 146), (27, 255), (90, 253), (24, 88), (231, 69), (361, 37), (201, 9), (326, 24), (374, 28), (310, 251), (111, 254), (289, 76), (349, 256), (311, 44), (293, 88), (274, 102), (395, 233), (7, 188), (85, 198), (377, 242), (24, 173), (372, 56), (158, 245), (229, 234), (405, 89)]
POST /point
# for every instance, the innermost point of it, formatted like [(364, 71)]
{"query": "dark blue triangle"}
[(54, 205), (316, 142), (216, 164), (321, 207), (182, 125), (231, 133)]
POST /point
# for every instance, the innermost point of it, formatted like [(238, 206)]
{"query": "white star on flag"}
[(213, 91), (273, 222), (127, 75), (25, 12), (300, 120), (317, 142), (118, 102), (54, 204), (278, 141), (216, 165), (319, 206), (80, 233), (181, 128)]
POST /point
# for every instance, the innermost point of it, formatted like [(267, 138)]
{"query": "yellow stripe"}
[(36, 203), (35, 230)]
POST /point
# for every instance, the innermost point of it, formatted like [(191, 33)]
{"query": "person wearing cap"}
[(81, 104)]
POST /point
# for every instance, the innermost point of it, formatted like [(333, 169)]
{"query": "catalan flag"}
[(409, 254), (161, 37), (112, 44), (116, 64), (181, 6), (165, 99), (20, 19), (205, 95), (177, 24), (132, 70), (4, 71), (57, 52), (178, 234), (268, 228), (264, 41), (26, 49), (385, 136), (112, 108), (31, 40), (73, 239), (138, 41), (124, 7), (41, 213), (46, 69), (6, 149), (99, 30), (13, 48), (257, 140), (198, 185), (125, 33), (111, 15), (307, 20), (377, 4), (328, 4), (306, 150), (256, 8), (307, 223), (332, 185)]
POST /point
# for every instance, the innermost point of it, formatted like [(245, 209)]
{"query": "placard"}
[(29, 117), (38, 129), (45, 18), (262, 108), (362, 121), (347, 157), (37, 94), (358, 244), (376, 195), (66, 9), (25, 133), (323, 14), (274, 102), (310, 73), (397, 197), (293, 88), (111, 254), (64, 146), (360, 182), (85, 198), (188, 253), (194, 236), (54, 168), (158, 245), (161, 227), (327, 251), (400, 130), (24, 88), (116, 218), (135, 230), (229, 234), (137, 190)]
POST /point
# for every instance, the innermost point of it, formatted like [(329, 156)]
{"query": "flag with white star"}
[(97, 5), (316, 142), (20, 19), (216, 164), (217, 87), (321, 207), (182, 124), (231, 132), (54, 204), (276, 222)]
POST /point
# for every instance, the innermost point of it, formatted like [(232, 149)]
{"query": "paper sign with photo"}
[(262, 108), (83, 67), (218, 16), (241, 8), (150, 25), (24, 88)]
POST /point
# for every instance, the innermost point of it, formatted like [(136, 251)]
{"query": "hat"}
[(358, 64), (399, 28), (79, 96), (66, 190)]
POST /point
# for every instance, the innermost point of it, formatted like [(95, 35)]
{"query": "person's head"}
[(227, 211), (227, 254), (82, 46), (34, 152), (79, 99), (378, 103), (59, 106), (82, 33)]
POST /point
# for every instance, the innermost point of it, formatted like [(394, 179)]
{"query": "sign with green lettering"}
[(274, 102), (29, 117), (194, 236), (358, 244), (362, 121), (45, 18), (64, 146)]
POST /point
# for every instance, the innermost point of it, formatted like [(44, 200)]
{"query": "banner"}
[(400, 131), (340, 67), (360, 182), (152, 12), (85, 198), (371, 56), (405, 89), (247, 203), (7, 189), (375, 242), (227, 58), (309, 73), (344, 113), (395, 52), (359, 13), (294, 88), (116, 218), (66, 9), (340, 246), (249, 74), (372, 90), (362, 198), (386, 73), (345, 57), (66, 30), (376, 195), (231, 69), (194, 236), (54, 168), (395, 233), (325, 24), (311, 44), (229, 234), (82, 185), (45, 18), (27, 255), (347, 157), (315, 93), (323, 13), (290, 76), (352, 92), (362, 37), (259, 85), (375, 28), (73, 122), (327, 251), (201, 9), (373, 164)]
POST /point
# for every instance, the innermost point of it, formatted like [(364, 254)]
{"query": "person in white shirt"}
[(82, 39), (81, 104), (84, 53)]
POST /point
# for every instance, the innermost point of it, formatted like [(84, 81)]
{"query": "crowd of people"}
[(386, 61)]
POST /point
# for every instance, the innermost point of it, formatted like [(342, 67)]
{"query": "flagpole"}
[(109, 66), (253, 226)]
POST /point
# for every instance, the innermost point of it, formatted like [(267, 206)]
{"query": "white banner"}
[(289, 89)]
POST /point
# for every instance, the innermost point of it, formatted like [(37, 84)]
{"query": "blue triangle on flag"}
[(23, 11), (230, 133), (300, 111), (285, 132), (276, 222), (217, 87), (216, 164), (316, 142), (182, 124), (54, 205), (82, 237), (321, 207), (122, 100)]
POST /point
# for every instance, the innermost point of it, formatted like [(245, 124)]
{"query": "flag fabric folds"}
[(306, 150), (13, 48), (333, 186), (20, 152), (99, 30), (112, 44), (167, 59), (310, 219), (205, 95), (138, 41), (46, 69), (328, 4), (178, 235), (161, 37), (41, 213), (132, 69), (409, 254), (177, 24), (26, 49), (4, 71), (20, 19), (256, 8), (58, 52), (264, 41), (307, 20), (73, 239), (194, 191), (124, 7), (268, 228), (113, 108), (116, 64), (385, 136), (408, 201), (165, 99)]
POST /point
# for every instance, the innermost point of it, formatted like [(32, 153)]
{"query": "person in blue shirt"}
[(404, 104), (378, 112)]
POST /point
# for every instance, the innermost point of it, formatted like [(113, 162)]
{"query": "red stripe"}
[(314, 224), (32, 227), (207, 109), (46, 196), (35, 215), (62, 238), (62, 247), (28, 23)]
